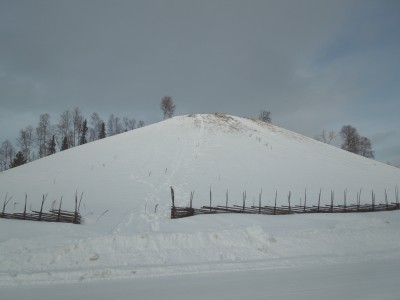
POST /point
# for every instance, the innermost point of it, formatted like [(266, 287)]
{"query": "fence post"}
[(386, 199), (319, 199), (191, 199), (5, 204), (373, 200), (173, 204), (244, 201), (210, 198), (76, 208), (80, 201), (26, 200), (41, 207), (226, 200), (59, 210)]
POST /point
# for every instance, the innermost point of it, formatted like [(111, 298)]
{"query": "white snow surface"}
[(127, 233)]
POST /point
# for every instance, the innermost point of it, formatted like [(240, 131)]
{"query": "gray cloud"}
[(313, 64)]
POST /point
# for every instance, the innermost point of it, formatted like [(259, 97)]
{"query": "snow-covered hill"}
[(125, 181), (134, 170)]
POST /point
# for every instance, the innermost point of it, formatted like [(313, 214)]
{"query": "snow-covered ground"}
[(128, 243), (373, 280)]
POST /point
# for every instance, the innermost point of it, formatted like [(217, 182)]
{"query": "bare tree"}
[(77, 120), (19, 160), (43, 132), (167, 106), (355, 143), (7, 152), (350, 139), (129, 124), (83, 138), (65, 127), (95, 130), (366, 147), (110, 125), (51, 148), (265, 116), (114, 125), (102, 132), (64, 145), (325, 137), (3, 162), (25, 142), (140, 124)]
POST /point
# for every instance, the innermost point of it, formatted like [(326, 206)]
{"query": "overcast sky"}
[(314, 64)]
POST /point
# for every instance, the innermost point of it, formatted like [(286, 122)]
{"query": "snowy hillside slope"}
[(134, 170), (125, 181)]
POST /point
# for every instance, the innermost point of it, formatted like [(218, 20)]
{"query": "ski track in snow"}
[(119, 272)]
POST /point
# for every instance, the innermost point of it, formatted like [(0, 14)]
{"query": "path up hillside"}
[(130, 173)]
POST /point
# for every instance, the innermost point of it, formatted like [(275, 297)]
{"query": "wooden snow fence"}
[(54, 215), (182, 212)]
